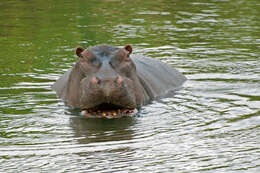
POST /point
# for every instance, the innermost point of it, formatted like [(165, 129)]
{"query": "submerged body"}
[(109, 82)]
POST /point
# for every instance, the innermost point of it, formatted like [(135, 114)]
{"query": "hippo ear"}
[(128, 47), (79, 50)]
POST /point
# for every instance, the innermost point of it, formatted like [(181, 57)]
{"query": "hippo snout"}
[(97, 80), (108, 87), (96, 91)]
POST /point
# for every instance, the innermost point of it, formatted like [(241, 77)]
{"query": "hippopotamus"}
[(111, 82)]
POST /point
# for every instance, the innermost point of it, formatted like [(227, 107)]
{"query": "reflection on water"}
[(104, 130), (211, 125)]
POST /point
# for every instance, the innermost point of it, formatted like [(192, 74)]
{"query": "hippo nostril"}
[(119, 80), (95, 80)]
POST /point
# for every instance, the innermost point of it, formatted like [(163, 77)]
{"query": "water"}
[(211, 125)]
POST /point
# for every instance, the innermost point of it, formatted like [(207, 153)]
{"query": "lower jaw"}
[(109, 114)]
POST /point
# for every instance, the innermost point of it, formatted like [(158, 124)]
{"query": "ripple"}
[(211, 125)]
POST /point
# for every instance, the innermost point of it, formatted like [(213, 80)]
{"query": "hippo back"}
[(60, 86), (157, 78)]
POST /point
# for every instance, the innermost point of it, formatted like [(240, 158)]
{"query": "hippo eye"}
[(127, 57), (112, 64), (95, 62)]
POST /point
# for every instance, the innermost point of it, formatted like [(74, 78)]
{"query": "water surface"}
[(211, 125)]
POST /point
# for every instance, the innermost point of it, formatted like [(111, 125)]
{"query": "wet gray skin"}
[(109, 82)]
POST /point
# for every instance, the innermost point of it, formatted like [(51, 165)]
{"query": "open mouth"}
[(108, 111)]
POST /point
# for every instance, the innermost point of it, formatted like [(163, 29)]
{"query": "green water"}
[(211, 125)]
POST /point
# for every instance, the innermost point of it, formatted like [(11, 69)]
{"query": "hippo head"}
[(104, 82)]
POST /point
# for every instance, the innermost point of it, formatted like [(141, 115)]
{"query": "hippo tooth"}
[(104, 114), (109, 117), (83, 113), (114, 113)]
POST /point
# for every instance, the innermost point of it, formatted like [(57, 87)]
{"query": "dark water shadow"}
[(102, 130)]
